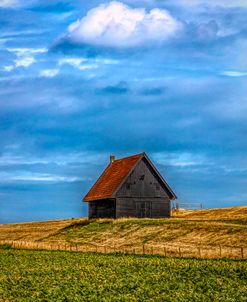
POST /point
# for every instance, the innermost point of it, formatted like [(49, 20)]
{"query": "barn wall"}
[(142, 194), (102, 209), (142, 182), (142, 207)]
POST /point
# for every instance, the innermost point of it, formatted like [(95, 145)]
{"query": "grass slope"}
[(205, 227), (65, 276)]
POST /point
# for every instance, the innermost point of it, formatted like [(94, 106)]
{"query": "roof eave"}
[(173, 195), (97, 198)]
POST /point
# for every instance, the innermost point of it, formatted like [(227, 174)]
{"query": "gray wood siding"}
[(142, 207), (102, 209), (142, 195), (142, 182)]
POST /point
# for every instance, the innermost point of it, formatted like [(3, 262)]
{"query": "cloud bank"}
[(8, 3), (117, 25)]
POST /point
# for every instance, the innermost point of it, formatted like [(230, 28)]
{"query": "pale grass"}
[(231, 213), (33, 230), (188, 230)]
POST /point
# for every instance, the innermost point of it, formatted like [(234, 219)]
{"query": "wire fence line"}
[(188, 205), (168, 250)]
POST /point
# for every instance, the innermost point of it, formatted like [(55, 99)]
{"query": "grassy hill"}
[(226, 226)]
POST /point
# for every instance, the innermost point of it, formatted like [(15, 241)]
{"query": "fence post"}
[(152, 250), (179, 250), (220, 251), (242, 252), (199, 251), (143, 249), (165, 250)]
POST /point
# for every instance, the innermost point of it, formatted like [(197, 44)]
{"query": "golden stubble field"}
[(224, 228)]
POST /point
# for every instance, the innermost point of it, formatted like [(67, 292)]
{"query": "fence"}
[(162, 250), (188, 206)]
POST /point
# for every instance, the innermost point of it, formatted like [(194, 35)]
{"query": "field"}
[(70, 276), (215, 229)]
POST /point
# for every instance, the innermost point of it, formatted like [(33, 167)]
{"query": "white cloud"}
[(49, 73), (116, 24), (77, 63), (25, 61), (25, 51), (8, 3), (232, 73), (25, 57), (181, 160), (8, 68), (37, 177), (10, 158)]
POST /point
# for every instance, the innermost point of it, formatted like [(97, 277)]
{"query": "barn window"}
[(142, 177)]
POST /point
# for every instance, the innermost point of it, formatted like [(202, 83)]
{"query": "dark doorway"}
[(143, 209)]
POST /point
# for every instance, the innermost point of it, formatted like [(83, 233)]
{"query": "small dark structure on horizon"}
[(130, 187)]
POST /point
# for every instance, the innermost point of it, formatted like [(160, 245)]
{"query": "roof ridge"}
[(138, 154)]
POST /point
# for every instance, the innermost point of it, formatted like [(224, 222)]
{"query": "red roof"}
[(112, 177)]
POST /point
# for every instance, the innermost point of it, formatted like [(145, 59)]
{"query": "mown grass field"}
[(67, 276), (213, 227)]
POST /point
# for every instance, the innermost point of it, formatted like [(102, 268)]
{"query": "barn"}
[(130, 187)]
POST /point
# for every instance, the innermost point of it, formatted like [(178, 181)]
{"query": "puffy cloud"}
[(180, 159), (25, 57), (49, 73), (8, 3), (25, 61), (232, 73), (8, 68), (117, 25), (77, 63), (24, 51), (24, 176), (82, 63)]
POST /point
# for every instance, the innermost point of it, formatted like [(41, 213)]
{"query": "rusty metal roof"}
[(112, 177)]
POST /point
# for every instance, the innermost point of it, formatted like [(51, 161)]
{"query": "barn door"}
[(143, 209)]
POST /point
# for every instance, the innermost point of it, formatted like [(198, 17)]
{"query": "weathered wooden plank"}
[(142, 182), (142, 207)]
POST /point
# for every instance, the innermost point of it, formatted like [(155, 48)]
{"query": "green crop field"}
[(70, 276)]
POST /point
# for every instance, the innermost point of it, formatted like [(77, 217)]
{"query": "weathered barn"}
[(130, 187)]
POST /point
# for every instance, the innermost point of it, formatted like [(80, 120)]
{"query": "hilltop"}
[(189, 228)]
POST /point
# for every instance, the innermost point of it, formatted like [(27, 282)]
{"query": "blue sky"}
[(80, 80)]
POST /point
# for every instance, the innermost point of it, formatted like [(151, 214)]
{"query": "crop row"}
[(64, 276)]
